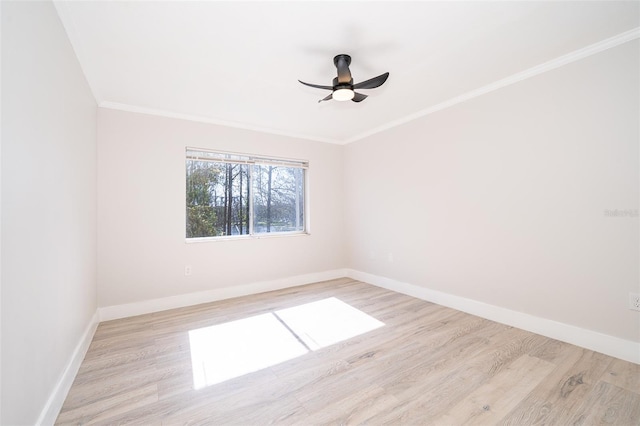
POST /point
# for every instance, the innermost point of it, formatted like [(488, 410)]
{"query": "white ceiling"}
[(237, 63)]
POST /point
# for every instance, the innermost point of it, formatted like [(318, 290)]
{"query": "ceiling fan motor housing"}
[(337, 85)]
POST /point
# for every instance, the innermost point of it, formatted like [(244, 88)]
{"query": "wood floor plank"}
[(557, 398), (111, 385), (493, 400), (608, 404), (427, 364), (624, 375), (104, 409), (356, 408)]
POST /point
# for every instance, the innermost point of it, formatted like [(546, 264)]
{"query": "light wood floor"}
[(427, 365)]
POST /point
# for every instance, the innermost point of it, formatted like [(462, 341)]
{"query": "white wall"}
[(502, 199), (48, 207), (141, 211)]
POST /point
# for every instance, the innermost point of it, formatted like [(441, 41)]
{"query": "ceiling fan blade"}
[(317, 86), (342, 64), (373, 82), (359, 97), (328, 98)]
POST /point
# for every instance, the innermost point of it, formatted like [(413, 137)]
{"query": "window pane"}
[(217, 199), (278, 199)]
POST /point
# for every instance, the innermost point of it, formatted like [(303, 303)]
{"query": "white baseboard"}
[(613, 346), (155, 305), (52, 408)]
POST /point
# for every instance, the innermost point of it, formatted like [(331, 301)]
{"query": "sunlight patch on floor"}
[(326, 322), (222, 352)]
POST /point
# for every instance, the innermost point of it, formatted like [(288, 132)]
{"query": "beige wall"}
[(502, 199), (48, 207), (141, 211)]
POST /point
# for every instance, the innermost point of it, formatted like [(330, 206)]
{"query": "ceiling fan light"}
[(343, 94)]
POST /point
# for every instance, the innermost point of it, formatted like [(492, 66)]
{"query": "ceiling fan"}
[(343, 88)]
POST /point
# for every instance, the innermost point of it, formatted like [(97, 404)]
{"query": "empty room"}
[(316, 212)]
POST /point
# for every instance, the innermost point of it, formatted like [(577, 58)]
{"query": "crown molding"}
[(558, 62), (208, 120), (515, 78)]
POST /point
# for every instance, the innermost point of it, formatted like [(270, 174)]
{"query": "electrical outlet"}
[(634, 301), (187, 270)]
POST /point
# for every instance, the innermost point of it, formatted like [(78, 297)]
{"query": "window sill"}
[(246, 237)]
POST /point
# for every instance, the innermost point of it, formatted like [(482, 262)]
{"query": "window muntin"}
[(232, 195)]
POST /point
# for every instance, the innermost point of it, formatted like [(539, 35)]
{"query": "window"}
[(233, 195)]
